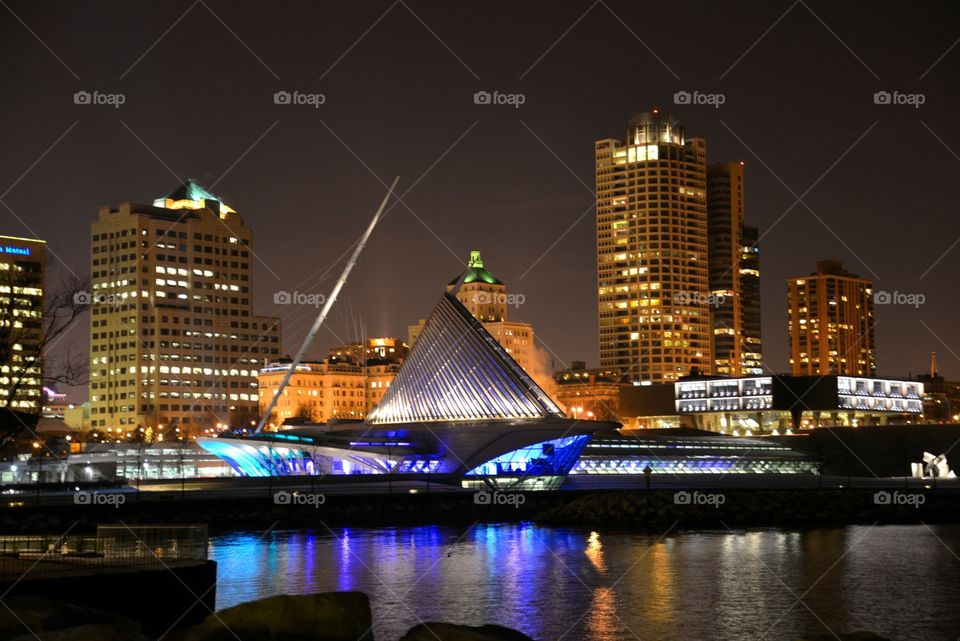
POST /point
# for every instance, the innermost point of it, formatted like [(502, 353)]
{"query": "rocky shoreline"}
[(657, 510), (634, 509)]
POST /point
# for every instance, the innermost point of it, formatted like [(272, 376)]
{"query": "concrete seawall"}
[(635, 507), (158, 598)]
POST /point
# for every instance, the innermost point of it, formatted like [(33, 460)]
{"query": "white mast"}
[(312, 334)]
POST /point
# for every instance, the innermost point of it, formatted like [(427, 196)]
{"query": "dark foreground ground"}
[(330, 616)]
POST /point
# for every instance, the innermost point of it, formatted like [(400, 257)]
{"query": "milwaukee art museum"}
[(462, 411)]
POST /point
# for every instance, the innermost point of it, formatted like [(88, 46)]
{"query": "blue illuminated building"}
[(464, 412), (459, 408)]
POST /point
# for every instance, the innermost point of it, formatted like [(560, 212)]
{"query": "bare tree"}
[(27, 341), (304, 412), (244, 417)]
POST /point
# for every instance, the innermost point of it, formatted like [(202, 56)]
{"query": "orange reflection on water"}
[(594, 552), (659, 576), (603, 622)]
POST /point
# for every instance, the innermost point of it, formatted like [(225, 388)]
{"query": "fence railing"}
[(115, 548)]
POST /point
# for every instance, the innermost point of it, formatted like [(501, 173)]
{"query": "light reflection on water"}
[(554, 583)]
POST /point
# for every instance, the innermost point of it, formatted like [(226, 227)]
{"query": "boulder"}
[(328, 616), (430, 631), (850, 636)]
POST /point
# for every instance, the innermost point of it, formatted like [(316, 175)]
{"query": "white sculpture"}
[(933, 467)]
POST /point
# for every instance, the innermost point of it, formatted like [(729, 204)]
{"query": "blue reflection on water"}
[(551, 582)]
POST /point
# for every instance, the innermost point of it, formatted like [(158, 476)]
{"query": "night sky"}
[(878, 182)]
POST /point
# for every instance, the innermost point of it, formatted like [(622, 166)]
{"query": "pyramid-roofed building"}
[(460, 407), (457, 371), (461, 411)]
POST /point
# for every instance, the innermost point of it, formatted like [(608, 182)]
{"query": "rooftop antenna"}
[(322, 316)]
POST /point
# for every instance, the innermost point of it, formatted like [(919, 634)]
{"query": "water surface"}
[(568, 584)]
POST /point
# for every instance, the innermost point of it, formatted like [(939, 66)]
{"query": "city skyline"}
[(540, 321), (499, 174)]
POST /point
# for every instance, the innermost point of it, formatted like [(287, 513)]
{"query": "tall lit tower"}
[(652, 267), (734, 274), (174, 342), (22, 269), (831, 322)]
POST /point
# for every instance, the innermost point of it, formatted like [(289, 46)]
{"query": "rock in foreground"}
[(449, 632), (330, 616), (851, 636)]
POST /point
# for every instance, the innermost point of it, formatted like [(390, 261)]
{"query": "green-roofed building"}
[(475, 272), (190, 195), (485, 296)]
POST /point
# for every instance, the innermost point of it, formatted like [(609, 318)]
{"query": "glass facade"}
[(724, 395), (550, 458), (691, 455)]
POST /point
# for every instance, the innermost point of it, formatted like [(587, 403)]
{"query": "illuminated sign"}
[(19, 251)]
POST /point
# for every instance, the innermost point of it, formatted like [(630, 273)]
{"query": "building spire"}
[(475, 260)]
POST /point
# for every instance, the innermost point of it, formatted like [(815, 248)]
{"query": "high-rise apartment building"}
[(752, 362), (734, 274), (174, 343), (652, 254), (22, 270), (831, 322)]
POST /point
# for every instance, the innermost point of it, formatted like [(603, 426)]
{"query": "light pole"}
[(183, 480), (36, 446), (139, 468), (270, 471)]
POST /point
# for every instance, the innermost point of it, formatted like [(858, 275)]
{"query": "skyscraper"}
[(652, 265), (22, 266), (734, 274), (174, 343), (831, 322), (752, 362)]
